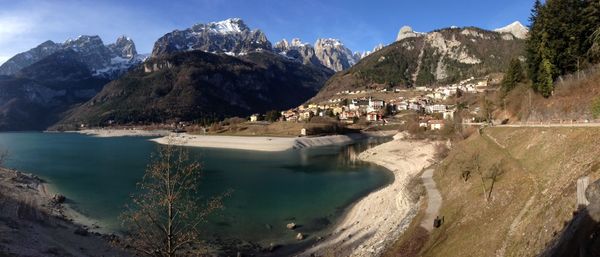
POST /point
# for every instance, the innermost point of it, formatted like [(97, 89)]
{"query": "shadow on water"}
[(346, 155)]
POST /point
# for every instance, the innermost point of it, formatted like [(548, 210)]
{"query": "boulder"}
[(291, 226), (58, 198), (299, 236)]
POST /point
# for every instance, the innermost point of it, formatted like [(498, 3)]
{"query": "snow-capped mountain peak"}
[(229, 26), (231, 36), (516, 28)]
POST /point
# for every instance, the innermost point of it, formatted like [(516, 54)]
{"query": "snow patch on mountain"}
[(516, 28)]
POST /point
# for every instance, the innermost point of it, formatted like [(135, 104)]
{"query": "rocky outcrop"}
[(334, 55), (329, 53), (298, 50), (231, 36), (407, 32), (124, 48)]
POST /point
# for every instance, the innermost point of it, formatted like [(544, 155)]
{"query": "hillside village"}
[(430, 103)]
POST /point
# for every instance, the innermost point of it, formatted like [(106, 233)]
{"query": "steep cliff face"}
[(334, 55), (196, 86), (231, 36), (298, 50), (423, 59)]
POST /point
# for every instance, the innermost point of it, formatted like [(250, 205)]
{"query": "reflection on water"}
[(349, 155)]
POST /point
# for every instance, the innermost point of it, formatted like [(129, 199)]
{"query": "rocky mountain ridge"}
[(107, 61), (235, 38), (329, 52), (231, 36)]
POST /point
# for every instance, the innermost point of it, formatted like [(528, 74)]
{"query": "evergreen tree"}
[(561, 40), (546, 84), (533, 42), (513, 75), (591, 30), (594, 52)]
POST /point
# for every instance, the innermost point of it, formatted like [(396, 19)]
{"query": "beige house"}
[(436, 124)]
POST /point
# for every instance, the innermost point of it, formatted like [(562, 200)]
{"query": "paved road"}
[(434, 200), (540, 125)]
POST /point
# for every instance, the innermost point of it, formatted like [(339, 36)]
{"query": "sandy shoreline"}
[(377, 220)]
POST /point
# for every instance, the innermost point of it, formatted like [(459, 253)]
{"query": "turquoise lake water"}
[(310, 187)]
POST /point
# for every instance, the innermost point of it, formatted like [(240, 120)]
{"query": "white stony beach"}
[(266, 144), (377, 220), (122, 132)]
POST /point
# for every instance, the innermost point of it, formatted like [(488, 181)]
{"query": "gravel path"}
[(434, 200)]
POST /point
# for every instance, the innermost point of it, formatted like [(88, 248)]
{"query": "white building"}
[(436, 108)]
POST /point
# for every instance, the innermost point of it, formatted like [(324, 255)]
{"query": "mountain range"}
[(222, 69), (107, 61)]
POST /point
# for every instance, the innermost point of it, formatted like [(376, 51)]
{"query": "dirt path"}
[(434, 200)]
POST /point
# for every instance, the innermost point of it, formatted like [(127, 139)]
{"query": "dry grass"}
[(531, 200), (572, 99)]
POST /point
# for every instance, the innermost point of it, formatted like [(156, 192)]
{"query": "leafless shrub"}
[(165, 215)]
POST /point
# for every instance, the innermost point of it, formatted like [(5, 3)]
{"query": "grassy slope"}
[(531, 201)]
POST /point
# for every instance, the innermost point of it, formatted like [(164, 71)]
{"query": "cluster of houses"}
[(433, 113), (348, 111), (374, 110)]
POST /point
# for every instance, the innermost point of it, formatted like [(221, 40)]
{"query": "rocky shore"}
[(34, 222)]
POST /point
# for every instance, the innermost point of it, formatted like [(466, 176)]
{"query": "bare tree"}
[(495, 172), (477, 168), (164, 219)]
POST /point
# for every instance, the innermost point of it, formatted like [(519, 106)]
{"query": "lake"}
[(311, 187)]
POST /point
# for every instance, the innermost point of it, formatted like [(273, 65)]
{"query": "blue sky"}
[(359, 24)]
